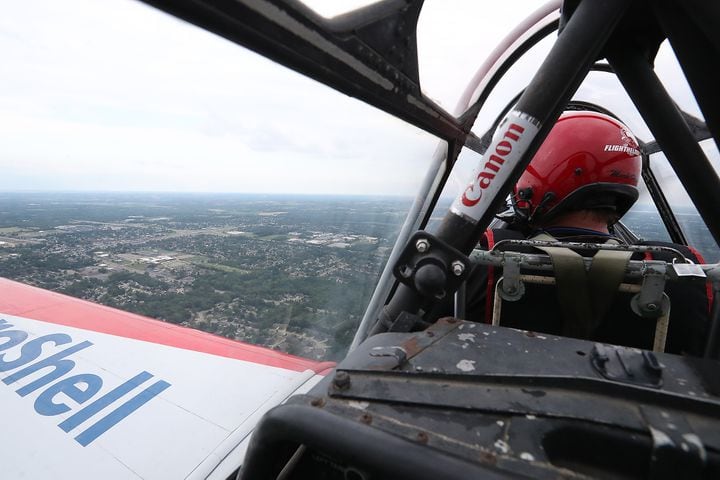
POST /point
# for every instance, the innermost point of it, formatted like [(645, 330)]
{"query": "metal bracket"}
[(652, 302), (627, 365), (510, 287), (431, 267)]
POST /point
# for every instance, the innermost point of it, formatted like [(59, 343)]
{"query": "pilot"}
[(581, 181)]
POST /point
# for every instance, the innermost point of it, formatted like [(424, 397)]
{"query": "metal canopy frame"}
[(371, 54)]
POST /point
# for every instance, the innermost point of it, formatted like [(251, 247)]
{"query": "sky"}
[(115, 95)]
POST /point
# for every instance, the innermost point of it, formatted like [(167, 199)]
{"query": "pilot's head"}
[(589, 161)]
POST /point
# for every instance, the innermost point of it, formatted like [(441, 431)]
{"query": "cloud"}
[(116, 95)]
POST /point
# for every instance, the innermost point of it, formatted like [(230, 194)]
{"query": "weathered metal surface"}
[(507, 398)]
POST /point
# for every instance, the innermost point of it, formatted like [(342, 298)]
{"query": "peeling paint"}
[(695, 441), (660, 438), (358, 405), (527, 456), (466, 337), (500, 423), (502, 446), (466, 365)]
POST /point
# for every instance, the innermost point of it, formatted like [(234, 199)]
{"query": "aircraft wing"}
[(89, 391)]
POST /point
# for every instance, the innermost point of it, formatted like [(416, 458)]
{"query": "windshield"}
[(153, 167)]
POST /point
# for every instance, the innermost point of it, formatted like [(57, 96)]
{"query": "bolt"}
[(317, 402), (458, 268), (422, 245), (341, 380)]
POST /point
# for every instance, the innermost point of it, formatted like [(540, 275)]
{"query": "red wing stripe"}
[(38, 304)]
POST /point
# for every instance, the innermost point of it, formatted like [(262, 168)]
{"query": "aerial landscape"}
[(293, 273), (290, 273)]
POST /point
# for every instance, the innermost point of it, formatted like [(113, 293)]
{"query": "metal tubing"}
[(418, 211), (672, 133), (459, 310), (557, 79), (661, 326), (691, 28)]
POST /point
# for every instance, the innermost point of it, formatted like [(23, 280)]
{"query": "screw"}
[(511, 289), (652, 307), (366, 418), (317, 402), (422, 245), (422, 437), (458, 268), (341, 380)]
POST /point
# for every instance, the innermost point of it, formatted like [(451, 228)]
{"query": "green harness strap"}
[(585, 296)]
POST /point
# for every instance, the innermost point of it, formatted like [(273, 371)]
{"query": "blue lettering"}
[(44, 404), (112, 419), (78, 388), (31, 350), (102, 402), (13, 336), (60, 365)]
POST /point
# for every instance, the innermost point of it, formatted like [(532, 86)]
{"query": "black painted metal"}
[(347, 443), (671, 132), (693, 34), (526, 403), (677, 452), (431, 267), (370, 54)]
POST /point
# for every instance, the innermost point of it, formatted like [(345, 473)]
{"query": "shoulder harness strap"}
[(585, 296)]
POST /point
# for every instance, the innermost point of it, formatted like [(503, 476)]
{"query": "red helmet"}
[(588, 161)]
